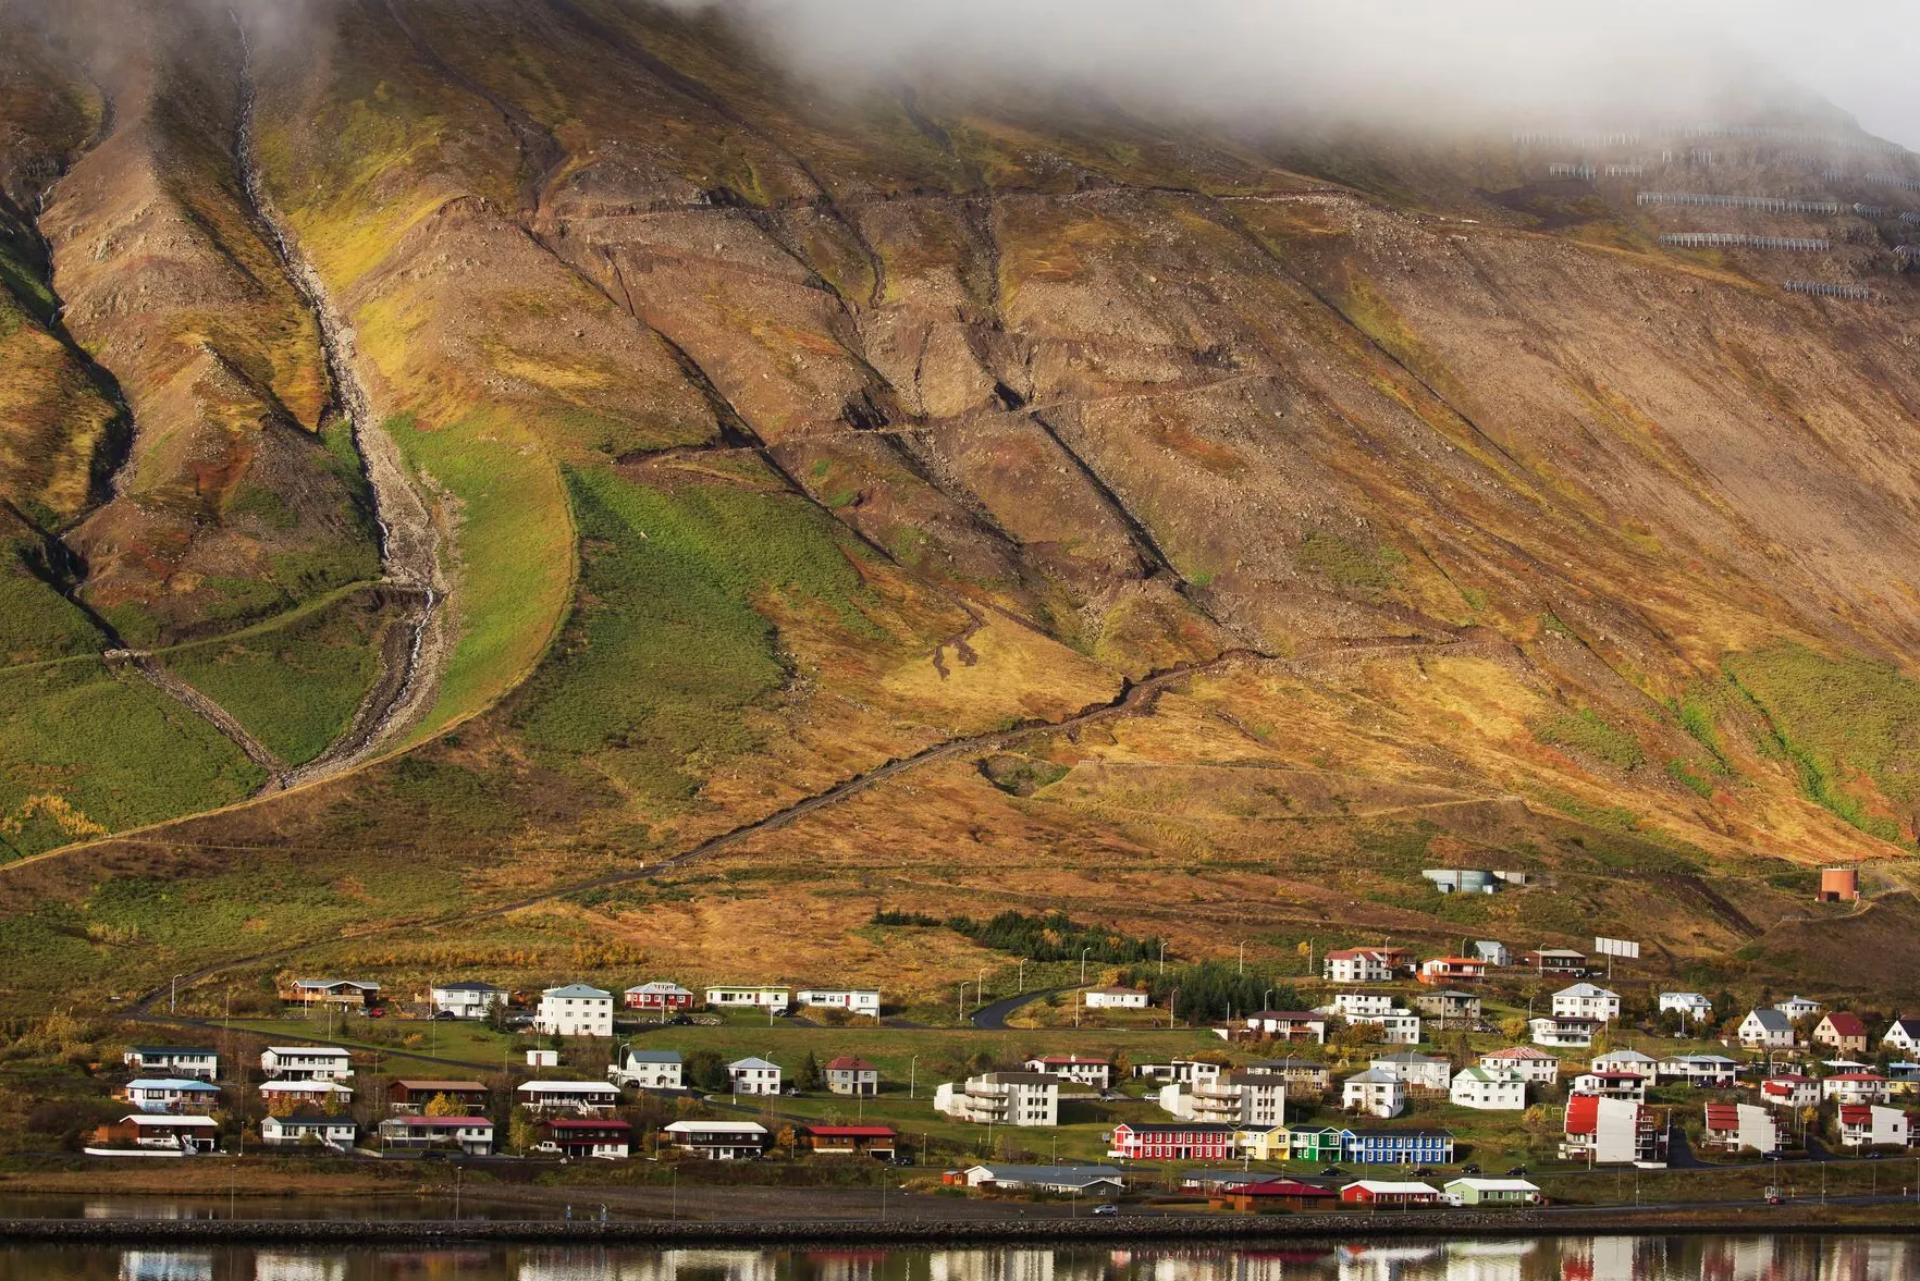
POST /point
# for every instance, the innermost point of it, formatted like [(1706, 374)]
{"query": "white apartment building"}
[(1234, 1098), (1375, 1094), (1489, 1091), (1586, 1001), (575, 1010), (1002, 1098), (306, 1063), (753, 1076)]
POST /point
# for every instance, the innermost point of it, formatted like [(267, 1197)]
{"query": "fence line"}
[(1820, 288), (1570, 171), (1735, 240), (1767, 204), (1625, 171)]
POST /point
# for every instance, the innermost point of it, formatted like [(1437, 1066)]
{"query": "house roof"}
[(752, 1064), (1492, 1185), (1056, 1175), (1845, 1024), (170, 1122), (1192, 1127), (1624, 1056), (658, 985), (467, 985), (653, 1056), (155, 1051), (1372, 1076), (308, 1115), (1612, 1076), (853, 1131), (1683, 996), (1786, 1078), (324, 984), (1021, 1078), (1071, 1059), (582, 1123), (1711, 1060), (1856, 1114), (1118, 991), (330, 1051), (469, 1087), (567, 1087), (1587, 990), (1583, 1113), (1292, 1016), (1477, 1073), (1386, 1187), (1723, 1116), (716, 1127), (1401, 1134), (1864, 1078), (580, 992), (1770, 1020), (1563, 953), (1277, 1188), (1910, 1026), (847, 1063), (438, 1122), (303, 1087), (1518, 1052), (172, 1083), (1288, 1065)]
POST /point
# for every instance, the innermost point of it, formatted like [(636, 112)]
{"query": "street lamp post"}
[(173, 992), (1173, 1003), (1243, 958), (913, 1074), (1083, 965)]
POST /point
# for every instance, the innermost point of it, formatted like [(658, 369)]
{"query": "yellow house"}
[(1263, 1144)]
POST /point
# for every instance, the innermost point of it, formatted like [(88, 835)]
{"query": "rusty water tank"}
[(1839, 885)]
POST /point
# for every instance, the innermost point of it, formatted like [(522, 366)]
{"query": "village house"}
[(1790, 1090), (1705, 1071), (1305, 1078), (1188, 1141), (1564, 1032), (1605, 1131), (170, 1094), (1261, 1143), (1494, 953), (1317, 1144), (1555, 960), (1116, 998), (145, 1131), (412, 1097), (658, 997), (1742, 1127), (1866, 1125), (584, 1138), (1397, 1026), (1097, 1073), (575, 1010), (877, 1141), (718, 1140), (1843, 1032), (1690, 1005), (1766, 1030), (775, 999), (581, 1098), (1374, 1093), (1903, 1035), (468, 1135), (1233, 1098), (1420, 1073), (1611, 1085), (1798, 1007), (1473, 1191), (1535, 1067), (306, 1063), (753, 1075), (1265, 1194), (1856, 1087), (348, 994), (285, 1096), (466, 998), (1002, 1098), (1378, 1192), (1286, 1025), (1400, 1147), (1061, 1180), (1452, 1009), (180, 1062), (1177, 1071), (1586, 1001), (1488, 1091), (864, 1001), (1356, 965), (649, 1070), (308, 1126), (1626, 1061), (1442, 970), (848, 1075)]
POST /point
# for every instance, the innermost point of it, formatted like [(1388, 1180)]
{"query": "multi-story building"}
[(649, 1070), (1856, 1087), (1708, 1071), (1564, 1032), (753, 1075), (581, 1098), (1078, 1068), (1233, 1098), (470, 1135), (171, 1094), (1306, 1078), (845, 1074), (179, 1062), (1535, 1067), (1766, 1030), (1738, 1127), (1867, 1125), (575, 1010), (1790, 1090), (658, 997), (1002, 1098), (1691, 1005), (466, 998), (1400, 1147), (1285, 1025), (718, 1140), (1189, 1141), (306, 1063), (1488, 1090), (1440, 971), (1610, 1131), (1587, 1001), (1418, 1072), (1374, 1093), (1356, 965)]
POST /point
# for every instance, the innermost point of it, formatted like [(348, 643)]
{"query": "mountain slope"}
[(1349, 507)]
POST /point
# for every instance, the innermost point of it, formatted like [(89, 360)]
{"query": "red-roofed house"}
[(1738, 1127), (1844, 1032), (1863, 1125), (582, 1137), (848, 1075), (1790, 1090), (1272, 1194), (877, 1141), (1610, 1131), (1442, 971)]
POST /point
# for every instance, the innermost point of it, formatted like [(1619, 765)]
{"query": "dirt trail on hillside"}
[(203, 707), (409, 537)]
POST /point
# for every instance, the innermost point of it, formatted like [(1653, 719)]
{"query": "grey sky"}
[(1469, 60)]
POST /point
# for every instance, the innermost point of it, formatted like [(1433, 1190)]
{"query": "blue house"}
[(1400, 1147)]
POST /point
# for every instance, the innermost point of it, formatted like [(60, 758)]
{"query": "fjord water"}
[(1606, 1258)]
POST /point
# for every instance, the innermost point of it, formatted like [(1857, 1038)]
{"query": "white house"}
[(1691, 1005), (1374, 1093), (1417, 1071), (1865, 1125), (1234, 1098), (178, 1062), (753, 1076), (583, 1098), (1353, 1006), (1493, 953), (575, 1010), (306, 1063), (852, 1000), (467, 998), (1734, 1127), (1629, 1061), (1116, 998), (308, 1125), (1856, 1087), (1586, 1001), (1707, 1071), (1078, 1068), (1904, 1036), (1611, 1085), (649, 1070), (1790, 1090), (171, 1094), (1078, 1180), (1564, 1032), (1798, 1007), (1356, 965), (329, 1096), (1397, 1026), (1609, 1131), (748, 998), (718, 1140), (1489, 1091), (159, 1131), (1535, 1067), (1766, 1030), (1289, 1025), (1002, 1098)]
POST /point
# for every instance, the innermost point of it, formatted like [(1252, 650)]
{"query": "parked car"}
[(1472, 1167), (1106, 1209), (1517, 1171), (1333, 1172)]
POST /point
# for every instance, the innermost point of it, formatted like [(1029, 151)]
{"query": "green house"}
[(1491, 1192), (1319, 1144)]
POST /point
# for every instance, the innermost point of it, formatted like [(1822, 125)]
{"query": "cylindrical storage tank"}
[(1839, 884)]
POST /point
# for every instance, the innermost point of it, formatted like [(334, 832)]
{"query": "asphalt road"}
[(994, 1016)]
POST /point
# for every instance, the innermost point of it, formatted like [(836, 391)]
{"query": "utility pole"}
[(913, 1074), (961, 1017), (1083, 965), (1173, 1003), (1163, 956), (1243, 959), (1021, 986)]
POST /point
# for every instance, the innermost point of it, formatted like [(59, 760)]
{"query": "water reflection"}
[(1611, 1258)]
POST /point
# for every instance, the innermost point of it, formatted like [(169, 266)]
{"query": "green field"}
[(296, 682)]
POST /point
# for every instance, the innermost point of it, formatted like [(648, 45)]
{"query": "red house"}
[(577, 1137), (1273, 1194), (662, 998), (1385, 1192), (1192, 1141), (1442, 971)]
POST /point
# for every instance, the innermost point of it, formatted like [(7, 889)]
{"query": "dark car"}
[(1516, 1171), (1471, 1167), (1332, 1172), (1773, 1156), (1423, 1173)]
